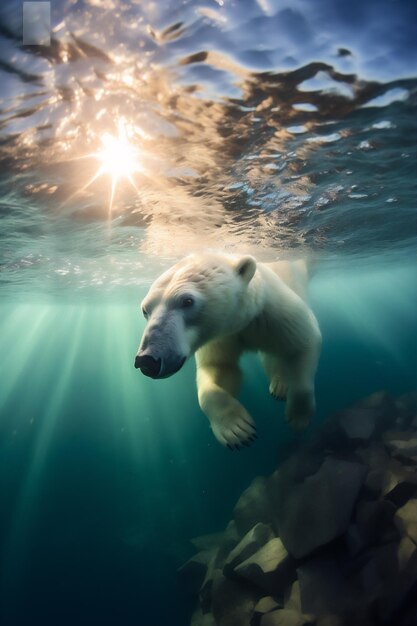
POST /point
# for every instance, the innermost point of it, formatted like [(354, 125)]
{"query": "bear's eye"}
[(187, 302), (145, 313)]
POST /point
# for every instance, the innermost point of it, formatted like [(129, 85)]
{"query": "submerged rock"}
[(293, 597), (406, 519), (293, 602), (232, 604), (285, 617), (270, 568), (316, 511), (202, 619), (407, 408), (324, 589), (354, 540), (358, 424), (375, 521), (264, 606), (205, 592), (382, 405), (399, 483), (401, 446), (194, 571), (253, 506), (229, 539), (251, 543), (397, 564), (330, 538)]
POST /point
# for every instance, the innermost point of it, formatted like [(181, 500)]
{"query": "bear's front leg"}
[(218, 380)]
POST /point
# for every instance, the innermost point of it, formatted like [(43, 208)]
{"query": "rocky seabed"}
[(329, 539)]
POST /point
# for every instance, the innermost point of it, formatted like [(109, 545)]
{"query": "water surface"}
[(281, 129)]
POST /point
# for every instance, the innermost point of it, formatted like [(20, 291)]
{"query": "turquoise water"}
[(262, 127)]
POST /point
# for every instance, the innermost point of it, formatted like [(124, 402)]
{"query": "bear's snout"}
[(148, 365)]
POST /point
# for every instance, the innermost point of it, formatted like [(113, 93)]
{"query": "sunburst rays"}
[(118, 158)]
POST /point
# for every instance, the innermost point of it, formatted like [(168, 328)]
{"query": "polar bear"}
[(217, 306)]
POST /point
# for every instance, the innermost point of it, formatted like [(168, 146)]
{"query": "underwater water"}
[(280, 129)]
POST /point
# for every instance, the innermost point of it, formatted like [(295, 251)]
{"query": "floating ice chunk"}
[(297, 130), (393, 95), (383, 125), (305, 106), (325, 138)]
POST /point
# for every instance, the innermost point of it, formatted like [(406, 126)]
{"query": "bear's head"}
[(199, 299)]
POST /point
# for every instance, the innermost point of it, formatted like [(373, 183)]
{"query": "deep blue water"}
[(281, 129)]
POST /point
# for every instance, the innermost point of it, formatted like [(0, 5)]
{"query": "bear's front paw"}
[(278, 388), (300, 408), (234, 427)]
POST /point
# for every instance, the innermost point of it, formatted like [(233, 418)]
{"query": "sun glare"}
[(118, 158)]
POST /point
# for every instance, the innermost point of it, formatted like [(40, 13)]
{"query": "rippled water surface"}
[(145, 131), (280, 128)]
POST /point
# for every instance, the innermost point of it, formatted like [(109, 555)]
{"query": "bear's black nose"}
[(148, 365)]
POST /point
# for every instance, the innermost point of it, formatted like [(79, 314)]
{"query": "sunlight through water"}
[(119, 159), (146, 131)]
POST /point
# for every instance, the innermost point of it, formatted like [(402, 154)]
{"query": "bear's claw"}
[(251, 437), (234, 430), (277, 397), (278, 389)]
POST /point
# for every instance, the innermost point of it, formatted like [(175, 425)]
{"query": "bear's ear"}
[(246, 268)]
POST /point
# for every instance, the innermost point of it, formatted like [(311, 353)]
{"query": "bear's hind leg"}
[(301, 405), (274, 370), (301, 402)]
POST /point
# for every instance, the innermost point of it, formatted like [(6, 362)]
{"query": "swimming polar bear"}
[(217, 306)]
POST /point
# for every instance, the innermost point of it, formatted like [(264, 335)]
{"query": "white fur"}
[(246, 305)]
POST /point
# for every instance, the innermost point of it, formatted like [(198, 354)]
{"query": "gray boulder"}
[(406, 519), (202, 619), (317, 510), (324, 589), (407, 408), (293, 597), (285, 617), (397, 565), (375, 456), (258, 536), (354, 540), (206, 589), (229, 539), (291, 615), (382, 405), (232, 603), (399, 483), (358, 424), (194, 571), (368, 580), (402, 446), (253, 506), (264, 605), (375, 521), (335, 620), (270, 568)]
